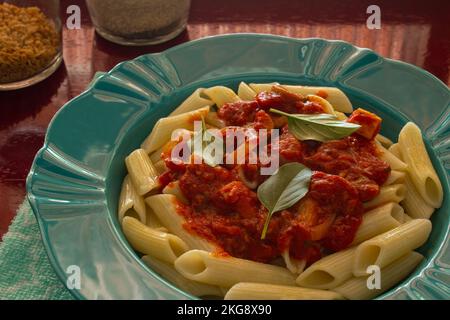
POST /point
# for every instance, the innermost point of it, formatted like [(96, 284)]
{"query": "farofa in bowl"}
[(29, 42)]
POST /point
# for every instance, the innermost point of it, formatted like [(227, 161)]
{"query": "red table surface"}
[(413, 31)]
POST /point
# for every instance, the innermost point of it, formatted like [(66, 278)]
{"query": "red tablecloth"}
[(413, 31)]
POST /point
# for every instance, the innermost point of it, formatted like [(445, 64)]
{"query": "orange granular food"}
[(29, 42)]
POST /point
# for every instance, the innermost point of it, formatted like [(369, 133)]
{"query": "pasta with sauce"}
[(339, 201)]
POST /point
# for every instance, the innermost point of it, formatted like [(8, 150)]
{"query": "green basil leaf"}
[(318, 127), (285, 188)]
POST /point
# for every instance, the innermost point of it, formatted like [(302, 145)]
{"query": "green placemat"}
[(25, 271)]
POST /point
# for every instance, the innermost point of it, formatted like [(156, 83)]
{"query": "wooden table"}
[(413, 31)]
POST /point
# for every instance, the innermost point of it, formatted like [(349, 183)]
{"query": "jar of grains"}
[(139, 22), (30, 42)]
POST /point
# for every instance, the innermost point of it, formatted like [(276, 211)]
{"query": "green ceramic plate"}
[(75, 181)]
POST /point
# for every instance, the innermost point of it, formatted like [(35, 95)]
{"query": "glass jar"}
[(139, 22), (30, 42)]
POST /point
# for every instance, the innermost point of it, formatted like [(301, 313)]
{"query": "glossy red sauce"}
[(353, 158), (225, 211)]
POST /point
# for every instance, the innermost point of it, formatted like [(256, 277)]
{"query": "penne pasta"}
[(155, 156), (293, 265), (221, 95), (142, 173), (328, 272), (395, 150), (324, 103), (245, 92), (160, 166), (168, 272), (420, 168), (153, 221), (334, 96), (194, 102), (261, 87), (173, 188), (165, 208), (391, 193), (357, 288), (131, 202), (379, 220), (340, 115), (385, 142), (391, 245), (395, 177), (258, 291), (163, 129), (394, 162), (226, 271), (161, 245), (413, 203)]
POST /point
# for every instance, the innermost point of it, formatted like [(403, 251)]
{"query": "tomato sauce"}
[(226, 211)]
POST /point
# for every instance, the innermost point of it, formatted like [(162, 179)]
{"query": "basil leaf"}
[(285, 188), (318, 127)]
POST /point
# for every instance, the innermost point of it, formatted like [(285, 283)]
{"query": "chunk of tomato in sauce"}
[(370, 123), (342, 232), (238, 113), (353, 158), (281, 99)]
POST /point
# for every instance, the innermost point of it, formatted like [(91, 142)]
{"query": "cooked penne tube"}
[(394, 162), (328, 272), (391, 245), (391, 193), (194, 102), (336, 97), (165, 208), (163, 129), (395, 150), (395, 177), (340, 115), (153, 221), (221, 95), (293, 265), (174, 189), (357, 288), (261, 87), (245, 92), (155, 156), (130, 201), (420, 168), (385, 142), (324, 103), (160, 166), (378, 221), (161, 245), (209, 268), (259, 291), (413, 203), (168, 272), (142, 173)]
